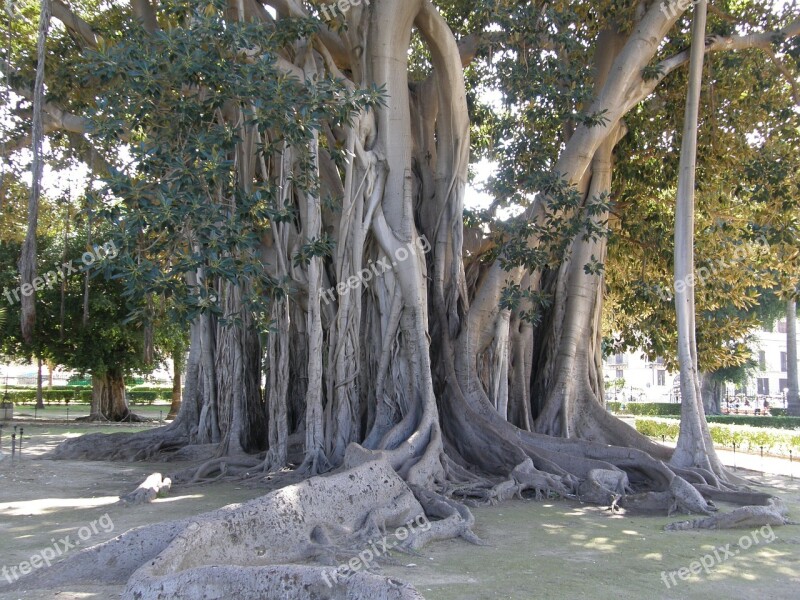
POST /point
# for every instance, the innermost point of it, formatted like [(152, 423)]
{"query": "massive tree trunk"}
[(424, 368), (792, 396), (109, 402)]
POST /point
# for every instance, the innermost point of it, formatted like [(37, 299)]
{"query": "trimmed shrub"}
[(657, 429), (162, 392), (752, 421), (142, 397), (649, 409), (21, 396), (726, 436)]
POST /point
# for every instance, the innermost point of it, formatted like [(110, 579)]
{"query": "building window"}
[(762, 360), (782, 326), (763, 386), (784, 362), (619, 359), (620, 374), (662, 377), (783, 384)]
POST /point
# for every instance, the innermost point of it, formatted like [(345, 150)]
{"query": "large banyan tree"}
[(293, 186)]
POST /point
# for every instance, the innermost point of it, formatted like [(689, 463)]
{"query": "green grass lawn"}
[(62, 412)]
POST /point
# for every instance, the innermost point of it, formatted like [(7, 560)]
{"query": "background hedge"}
[(725, 435), (82, 394), (652, 409)]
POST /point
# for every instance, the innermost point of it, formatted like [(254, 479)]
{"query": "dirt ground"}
[(552, 549)]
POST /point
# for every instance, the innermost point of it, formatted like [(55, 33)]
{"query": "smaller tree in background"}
[(83, 332), (172, 340)]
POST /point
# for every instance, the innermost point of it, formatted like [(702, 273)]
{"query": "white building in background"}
[(631, 377), (770, 353)]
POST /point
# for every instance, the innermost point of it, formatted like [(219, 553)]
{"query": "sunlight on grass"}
[(601, 543), (44, 505), (173, 499)]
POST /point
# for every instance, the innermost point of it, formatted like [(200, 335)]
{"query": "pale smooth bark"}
[(792, 396), (694, 447)]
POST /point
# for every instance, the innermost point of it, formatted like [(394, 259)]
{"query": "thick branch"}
[(74, 23), (58, 118), (761, 41)]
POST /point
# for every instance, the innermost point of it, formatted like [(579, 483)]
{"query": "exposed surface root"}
[(526, 477), (242, 551), (288, 582), (743, 497), (746, 516), (687, 499), (150, 489), (604, 486), (122, 446), (218, 468), (455, 520)]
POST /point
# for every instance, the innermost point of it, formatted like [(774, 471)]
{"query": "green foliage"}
[(48, 396), (645, 408), (185, 208), (777, 422), (657, 429), (746, 205), (75, 394), (748, 440), (163, 391), (142, 397)]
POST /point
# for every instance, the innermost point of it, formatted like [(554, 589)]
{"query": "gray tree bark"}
[(792, 396)]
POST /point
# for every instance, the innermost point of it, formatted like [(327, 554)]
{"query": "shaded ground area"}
[(554, 549)]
